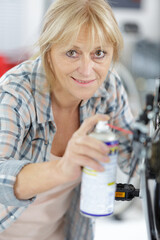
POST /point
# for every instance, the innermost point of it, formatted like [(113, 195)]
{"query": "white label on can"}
[(98, 189)]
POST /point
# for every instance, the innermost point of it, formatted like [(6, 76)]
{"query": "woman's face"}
[(80, 69)]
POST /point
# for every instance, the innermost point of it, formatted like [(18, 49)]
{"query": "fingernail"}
[(106, 159), (104, 148), (106, 117)]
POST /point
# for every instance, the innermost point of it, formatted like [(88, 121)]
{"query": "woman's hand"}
[(83, 150)]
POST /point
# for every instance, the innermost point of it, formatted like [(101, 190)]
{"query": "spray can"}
[(98, 188)]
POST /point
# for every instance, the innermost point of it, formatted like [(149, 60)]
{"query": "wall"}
[(147, 18), (19, 26)]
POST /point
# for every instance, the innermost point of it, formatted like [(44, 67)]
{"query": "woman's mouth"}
[(83, 82)]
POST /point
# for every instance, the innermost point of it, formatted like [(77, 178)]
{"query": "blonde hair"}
[(63, 22)]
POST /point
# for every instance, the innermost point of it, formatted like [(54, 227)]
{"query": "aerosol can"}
[(98, 188)]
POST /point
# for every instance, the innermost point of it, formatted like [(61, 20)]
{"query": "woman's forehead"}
[(84, 39), (88, 35)]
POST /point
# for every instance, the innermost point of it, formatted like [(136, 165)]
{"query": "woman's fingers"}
[(83, 150), (86, 161), (91, 142), (90, 148), (91, 153)]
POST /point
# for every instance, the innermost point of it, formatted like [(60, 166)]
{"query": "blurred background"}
[(139, 65), (20, 25)]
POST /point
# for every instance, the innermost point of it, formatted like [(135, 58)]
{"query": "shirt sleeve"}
[(13, 118), (122, 117)]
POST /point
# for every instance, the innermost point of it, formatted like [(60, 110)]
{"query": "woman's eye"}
[(72, 53), (100, 54)]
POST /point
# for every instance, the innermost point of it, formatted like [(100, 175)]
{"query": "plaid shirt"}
[(26, 135)]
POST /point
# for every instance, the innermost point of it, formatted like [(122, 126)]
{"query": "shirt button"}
[(13, 217)]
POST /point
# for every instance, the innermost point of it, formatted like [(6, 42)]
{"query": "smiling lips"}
[(82, 82)]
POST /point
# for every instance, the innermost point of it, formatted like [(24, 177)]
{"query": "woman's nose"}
[(86, 67)]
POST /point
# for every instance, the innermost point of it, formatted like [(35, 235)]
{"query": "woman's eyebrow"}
[(98, 47), (74, 46)]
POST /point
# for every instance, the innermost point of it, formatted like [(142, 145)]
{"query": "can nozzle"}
[(102, 126)]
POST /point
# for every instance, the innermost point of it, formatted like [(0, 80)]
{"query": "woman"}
[(47, 107)]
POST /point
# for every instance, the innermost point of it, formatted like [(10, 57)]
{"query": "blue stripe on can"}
[(95, 215)]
